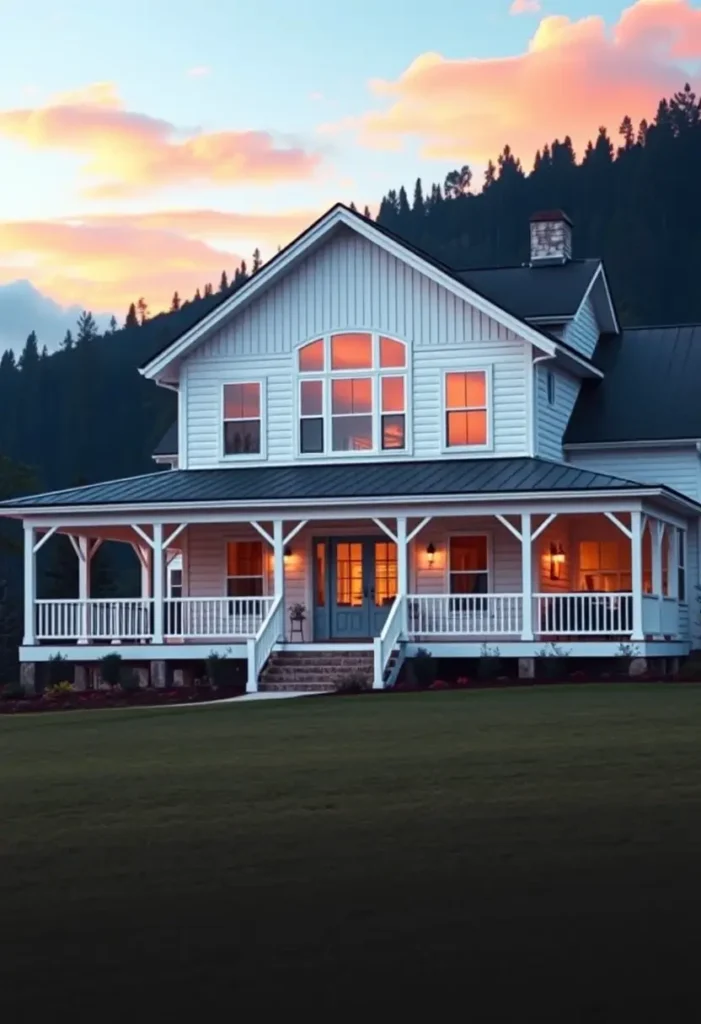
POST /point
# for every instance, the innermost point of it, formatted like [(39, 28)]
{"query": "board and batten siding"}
[(350, 283), (552, 420), (582, 333), (676, 467)]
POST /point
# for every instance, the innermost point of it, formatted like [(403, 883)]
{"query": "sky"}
[(147, 145)]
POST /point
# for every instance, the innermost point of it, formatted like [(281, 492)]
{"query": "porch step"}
[(298, 670)]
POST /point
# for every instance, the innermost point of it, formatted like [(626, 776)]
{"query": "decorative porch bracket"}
[(279, 541), (635, 536), (402, 538), (526, 535)]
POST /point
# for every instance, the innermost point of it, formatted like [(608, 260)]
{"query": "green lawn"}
[(510, 854)]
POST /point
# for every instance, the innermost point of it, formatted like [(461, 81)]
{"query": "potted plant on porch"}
[(298, 615)]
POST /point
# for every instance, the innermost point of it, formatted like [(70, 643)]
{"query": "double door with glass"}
[(355, 586)]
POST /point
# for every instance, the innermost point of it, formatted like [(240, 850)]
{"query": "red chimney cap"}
[(551, 215)]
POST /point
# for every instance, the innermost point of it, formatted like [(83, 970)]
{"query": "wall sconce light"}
[(287, 554), (430, 555), (557, 560)]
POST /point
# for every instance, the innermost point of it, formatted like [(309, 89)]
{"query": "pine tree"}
[(113, 324), (132, 319), (457, 183), (403, 206), (175, 303), (207, 291), (490, 176), (223, 282), (366, 213), (142, 310), (67, 342), (87, 328), (419, 208), (197, 296), (353, 207), (257, 261)]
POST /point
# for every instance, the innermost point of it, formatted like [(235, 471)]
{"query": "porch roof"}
[(347, 479)]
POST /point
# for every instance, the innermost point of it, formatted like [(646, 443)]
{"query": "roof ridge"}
[(662, 327), (526, 266)]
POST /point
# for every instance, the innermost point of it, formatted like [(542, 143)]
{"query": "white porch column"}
[(278, 558), (403, 571), (674, 538), (636, 565), (30, 578), (526, 577), (84, 556), (145, 563), (656, 537), (158, 583)]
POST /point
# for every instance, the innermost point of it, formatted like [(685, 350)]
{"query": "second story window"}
[(352, 394), (242, 419), (467, 409)]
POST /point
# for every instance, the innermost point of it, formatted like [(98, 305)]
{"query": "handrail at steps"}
[(260, 646), (384, 644)]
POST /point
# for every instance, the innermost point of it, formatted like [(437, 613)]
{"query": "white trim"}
[(261, 419), (509, 526), (417, 529), (488, 446), (621, 526), (386, 529), (605, 445), (182, 456), (336, 217), (294, 531), (47, 536), (263, 532), (144, 536), (174, 535), (543, 526)]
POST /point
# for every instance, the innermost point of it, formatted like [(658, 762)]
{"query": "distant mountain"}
[(23, 308)]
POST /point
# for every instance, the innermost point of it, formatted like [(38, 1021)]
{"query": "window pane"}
[(392, 353), (311, 356), (610, 556), (351, 352), (393, 431), (588, 555), (244, 586), (241, 401), (468, 582), (466, 390), (351, 433), (393, 394), (311, 435), (351, 395), (468, 553), (244, 558), (467, 428), (311, 398), (242, 437)]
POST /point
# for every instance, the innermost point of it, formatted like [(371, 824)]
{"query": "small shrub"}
[(111, 669), (129, 681), (58, 690), (354, 682), (56, 670), (552, 661), (422, 669), (218, 669), (439, 684), (462, 681), (12, 691)]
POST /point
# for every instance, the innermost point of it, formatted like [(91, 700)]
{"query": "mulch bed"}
[(99, 699)]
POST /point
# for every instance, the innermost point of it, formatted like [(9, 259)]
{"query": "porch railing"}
[(385, 643), (122, 618), (465, 614), (583, 614), (189, 618), (260, 646)]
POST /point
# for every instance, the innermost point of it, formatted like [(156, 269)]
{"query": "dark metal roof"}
[(555, 290), (342, 480), (168, 444), (650, 391)]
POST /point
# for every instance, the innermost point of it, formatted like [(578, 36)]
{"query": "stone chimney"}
[(551, 238)]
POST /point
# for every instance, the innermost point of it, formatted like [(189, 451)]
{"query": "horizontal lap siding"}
[(350, 283), (552, 420)]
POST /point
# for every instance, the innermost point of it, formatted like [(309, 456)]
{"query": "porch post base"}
[(27, 678), (158, 673), (80, 677), (526, 668)]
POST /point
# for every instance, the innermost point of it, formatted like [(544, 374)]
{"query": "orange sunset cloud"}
[(575, 76), (107, 262), (127, 153)]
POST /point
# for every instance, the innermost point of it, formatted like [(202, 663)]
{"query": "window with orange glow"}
[(469, 565), (242, 418), (244, 568), (352, 394), (466, 409)]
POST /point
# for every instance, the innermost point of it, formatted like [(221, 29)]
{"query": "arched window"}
[(352, 394)]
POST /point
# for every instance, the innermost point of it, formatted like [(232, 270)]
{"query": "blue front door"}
[(362, 584)]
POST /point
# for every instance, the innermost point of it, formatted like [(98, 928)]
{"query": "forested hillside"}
[(83, 413)]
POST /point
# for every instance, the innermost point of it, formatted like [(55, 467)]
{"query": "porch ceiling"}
[(347, 479)]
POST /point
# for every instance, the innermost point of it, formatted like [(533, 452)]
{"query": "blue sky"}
[(85, 87)]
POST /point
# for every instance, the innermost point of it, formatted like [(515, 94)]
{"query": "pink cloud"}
[(525, 7), (105, 262), (574, 76), (126, 152)]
